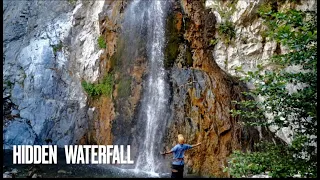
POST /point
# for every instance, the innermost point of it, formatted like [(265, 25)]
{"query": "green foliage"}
[(57, 47), (101, 42), (277, 160), (227, 10), (24, 76), (9, 83), (72, 1), (89, 88), (296, 110), (265, 9), (226, 63), (103, 88), (124, 87), (213, 42), (227, 31)]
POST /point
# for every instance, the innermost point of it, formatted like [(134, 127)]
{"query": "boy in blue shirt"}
[(178, 155)]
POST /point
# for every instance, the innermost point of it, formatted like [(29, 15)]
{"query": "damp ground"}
[(62, 169)]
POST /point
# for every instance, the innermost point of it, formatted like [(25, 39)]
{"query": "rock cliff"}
[(204, 86), (49, 52), (202, 95)]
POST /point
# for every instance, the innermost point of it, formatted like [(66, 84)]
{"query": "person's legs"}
[(174, 174), (181, 168), (177, 171), (174, 171)]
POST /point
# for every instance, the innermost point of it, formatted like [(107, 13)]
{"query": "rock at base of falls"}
[(18, 132)]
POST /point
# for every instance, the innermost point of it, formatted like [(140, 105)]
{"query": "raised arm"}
[(169, 152), (195, 145), (164, 153)]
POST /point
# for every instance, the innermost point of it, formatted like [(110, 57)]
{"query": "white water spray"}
[(154, 105)]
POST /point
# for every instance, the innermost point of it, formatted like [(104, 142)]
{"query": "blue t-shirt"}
[(178, 152)]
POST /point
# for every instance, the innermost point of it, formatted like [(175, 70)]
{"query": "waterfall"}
[(146, 20), (154, 104)]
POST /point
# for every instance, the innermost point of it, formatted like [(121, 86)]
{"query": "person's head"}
[(180, 139)]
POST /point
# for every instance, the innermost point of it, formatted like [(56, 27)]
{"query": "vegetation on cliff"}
[(227, 31), (57, 47), (101, 42), (97, 89), (294, 109), (72, 1)]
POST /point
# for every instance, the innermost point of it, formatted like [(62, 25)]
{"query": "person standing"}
[(178, 155)]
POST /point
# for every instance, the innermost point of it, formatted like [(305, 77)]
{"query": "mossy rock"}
[(174, 38), (171, 53), (189, 60), (187, 23), (116, 58), (124, 87), (113, 61)]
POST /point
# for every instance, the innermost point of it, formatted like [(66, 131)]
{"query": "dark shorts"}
[(177, 171)]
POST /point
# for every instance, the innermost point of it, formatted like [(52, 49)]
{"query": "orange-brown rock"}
[(113, 115), (205, 114), (179, 21), (100, 126), (101, 133), (202, 94)]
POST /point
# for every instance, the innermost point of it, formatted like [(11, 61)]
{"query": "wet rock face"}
[(24, 131), (199, 113), (44, 52), (202, 96), (114, 118), (202, 93)]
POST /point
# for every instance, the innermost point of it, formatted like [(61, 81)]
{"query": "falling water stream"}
[(143, 36), (155, 97), (144, 25)]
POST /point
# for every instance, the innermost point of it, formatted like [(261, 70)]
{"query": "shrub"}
[(295, 110), (227, 31), (57, 47), (103, 88), (101, 42), (9, 83), (213, 42), (226, 10), (72, 1)]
